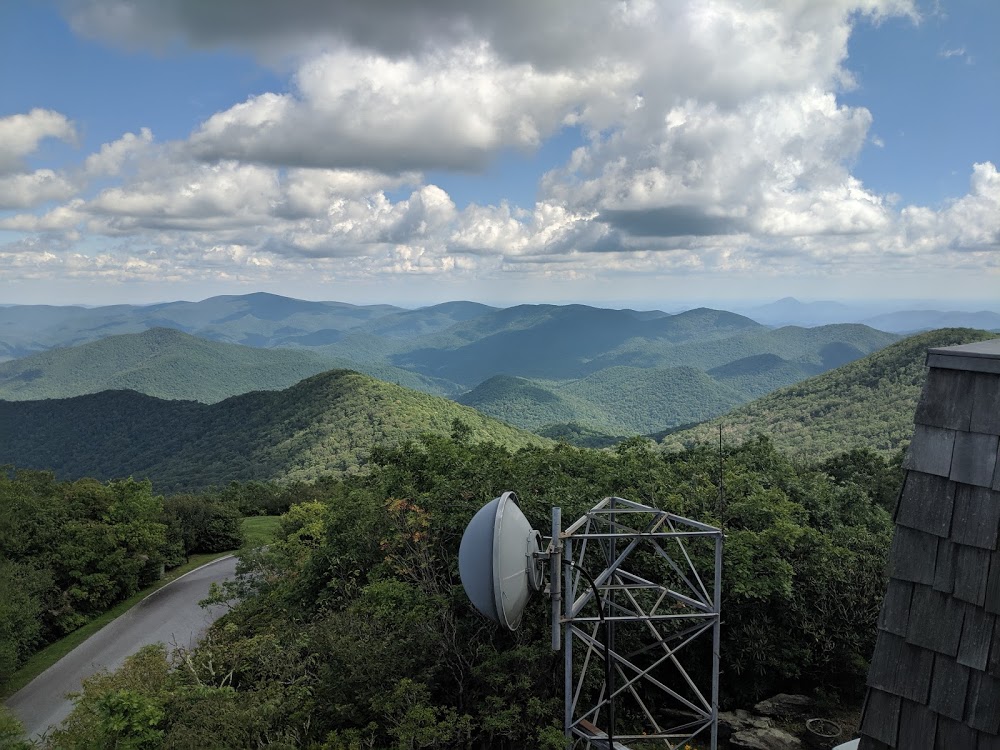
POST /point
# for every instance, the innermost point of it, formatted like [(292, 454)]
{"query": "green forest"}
[(616, 372), (354, 632), (324, 425), (864, 404)]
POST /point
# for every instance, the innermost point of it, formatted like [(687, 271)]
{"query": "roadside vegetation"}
[(75, 555), (354, 632)]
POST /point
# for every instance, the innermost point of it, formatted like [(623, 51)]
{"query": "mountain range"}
[(867, 403), (189, 410), (613, 372), (893, 317), (324, 425)]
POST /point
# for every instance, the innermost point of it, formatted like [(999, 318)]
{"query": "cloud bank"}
[(714, 141)]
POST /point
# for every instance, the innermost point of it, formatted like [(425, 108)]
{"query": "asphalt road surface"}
[(170, 615)]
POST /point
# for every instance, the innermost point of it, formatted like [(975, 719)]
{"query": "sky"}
[(568, 150)]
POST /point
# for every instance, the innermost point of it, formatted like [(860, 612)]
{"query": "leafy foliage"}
[(69, 551), (352, 631), (324, 425), (613, 371), (865, 404), (159, 362)]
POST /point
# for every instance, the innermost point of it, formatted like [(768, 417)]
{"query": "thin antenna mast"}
[(722, 484)]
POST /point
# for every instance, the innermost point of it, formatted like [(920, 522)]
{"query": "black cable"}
[(607, 650)]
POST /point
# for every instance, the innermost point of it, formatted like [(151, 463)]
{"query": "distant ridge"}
[(160, 362), (911, 321), (325, 425), (257, 319), (868, 403)]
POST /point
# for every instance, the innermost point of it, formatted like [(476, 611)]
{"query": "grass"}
[(258, 530)]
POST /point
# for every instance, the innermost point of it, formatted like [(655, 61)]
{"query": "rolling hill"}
[(524, 403), (620, 401), (326, 424), (556, 342), (166, 363), (649, 396), (867, 403), (608, 371), (257, 319), (759, 374), (911, 321), (159, 362)]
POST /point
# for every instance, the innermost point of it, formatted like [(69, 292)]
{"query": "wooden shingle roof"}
[(934, 680)]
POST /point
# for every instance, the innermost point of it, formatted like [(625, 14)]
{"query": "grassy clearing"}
[(52, 653), (260, 530)]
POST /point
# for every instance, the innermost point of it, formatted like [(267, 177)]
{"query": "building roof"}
[(934, 680), (982, 356)]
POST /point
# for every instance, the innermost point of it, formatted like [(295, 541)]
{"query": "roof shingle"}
[(946, 400), (949, 686), (944, 570), (977, 635), (900, 668), (972, 567), (917, 726), (975, 458), (984, 703), (952, 735), (881, 718), (985, 404), (930, 450), (935, 621), (913, 556), (926, 503), (976, 518), (895, 614)]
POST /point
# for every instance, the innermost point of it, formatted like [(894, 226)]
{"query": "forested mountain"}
[(324, 425), (167, 363), (159, 362), (616, 372), (616, 400), (910, 321), (257, 319), (558, 342), (648, 396), (762, 373), (868, 403)]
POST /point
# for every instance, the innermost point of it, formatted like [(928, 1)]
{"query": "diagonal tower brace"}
[(661, 617)]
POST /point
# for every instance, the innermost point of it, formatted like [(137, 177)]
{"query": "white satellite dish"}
[(498, 561)]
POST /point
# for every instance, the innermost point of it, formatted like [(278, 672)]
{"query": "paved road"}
[(170, 615)]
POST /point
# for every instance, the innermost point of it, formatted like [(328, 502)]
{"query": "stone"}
[(765, 739), (784, 704), (738, 720)]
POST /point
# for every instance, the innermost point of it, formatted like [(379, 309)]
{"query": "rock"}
[(769, 738), (738, 720), (784, 704)]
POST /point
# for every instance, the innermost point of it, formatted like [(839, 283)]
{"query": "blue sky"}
[(651, 151)]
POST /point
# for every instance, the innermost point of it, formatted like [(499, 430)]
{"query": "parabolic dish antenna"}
[(497, 561)]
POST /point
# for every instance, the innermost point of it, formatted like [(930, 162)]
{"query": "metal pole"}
[(569, 595), (716, 641), (610, 626), (555, 576)]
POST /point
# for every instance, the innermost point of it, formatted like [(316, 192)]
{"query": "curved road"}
[(170, 615)]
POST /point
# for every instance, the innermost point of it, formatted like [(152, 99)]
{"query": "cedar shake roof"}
[(934, 680)]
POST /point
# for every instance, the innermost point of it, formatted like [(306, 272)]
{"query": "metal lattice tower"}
[(660, 582)]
